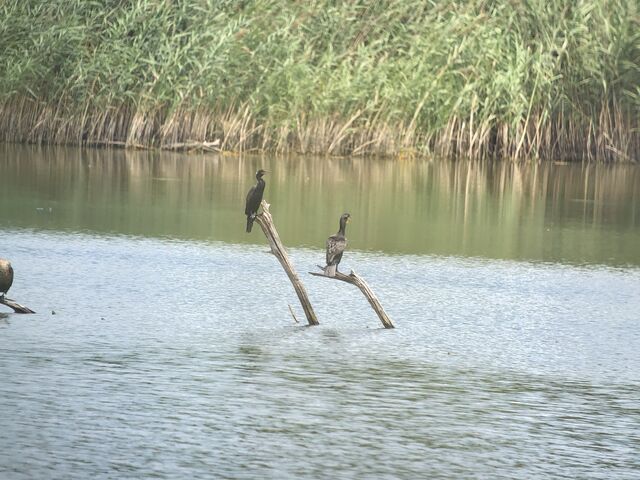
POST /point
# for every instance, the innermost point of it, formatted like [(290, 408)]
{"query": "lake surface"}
[(172, 353)]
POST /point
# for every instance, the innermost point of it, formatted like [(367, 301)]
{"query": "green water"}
[(543, 212)]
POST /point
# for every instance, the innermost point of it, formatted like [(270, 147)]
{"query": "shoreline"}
[(471, 79), (33, 122)]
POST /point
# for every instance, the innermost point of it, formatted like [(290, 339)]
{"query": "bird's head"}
[(260, 173), (345, 218)]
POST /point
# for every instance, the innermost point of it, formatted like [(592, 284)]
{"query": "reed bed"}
[(479, 78)]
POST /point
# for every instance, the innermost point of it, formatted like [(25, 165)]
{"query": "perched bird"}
[(254, 197), (335, 247), (6, 276)]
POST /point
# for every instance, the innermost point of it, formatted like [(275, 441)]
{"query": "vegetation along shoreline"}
[(479, 79)]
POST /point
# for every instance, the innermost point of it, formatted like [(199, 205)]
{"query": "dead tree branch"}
[(15, 305), (359, 282), (265, 221)]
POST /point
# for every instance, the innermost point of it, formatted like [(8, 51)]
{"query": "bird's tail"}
[(330, 270), (249, 222)]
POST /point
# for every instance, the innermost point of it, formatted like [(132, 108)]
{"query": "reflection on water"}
[(549, 212)]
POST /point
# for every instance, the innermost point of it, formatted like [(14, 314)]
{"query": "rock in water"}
[(6, 276)]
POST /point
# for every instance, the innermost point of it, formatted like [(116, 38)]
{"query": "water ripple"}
[(180, 360)]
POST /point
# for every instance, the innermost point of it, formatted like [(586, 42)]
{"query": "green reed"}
[(479, 78)]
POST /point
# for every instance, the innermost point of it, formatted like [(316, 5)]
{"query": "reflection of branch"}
[(265, 221), (359, 282), (15, 305)]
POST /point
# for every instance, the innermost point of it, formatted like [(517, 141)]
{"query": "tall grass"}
[(478, 78)]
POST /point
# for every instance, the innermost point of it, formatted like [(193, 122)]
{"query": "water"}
[(547, 212), (172, 353)]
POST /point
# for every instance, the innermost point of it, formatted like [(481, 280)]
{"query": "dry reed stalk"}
[(608, 133)]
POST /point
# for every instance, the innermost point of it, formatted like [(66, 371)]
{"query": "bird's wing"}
[(6, 276), (335, 248), (247, 204)]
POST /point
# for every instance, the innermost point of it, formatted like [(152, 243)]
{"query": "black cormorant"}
[(335, 247), (254, 197), (6, 276)]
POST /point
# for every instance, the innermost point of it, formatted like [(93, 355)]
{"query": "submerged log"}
[(15, 305), (359, 282), (265, 221)]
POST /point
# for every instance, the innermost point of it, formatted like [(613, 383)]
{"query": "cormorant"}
[(335, 247), (6, 276), (254, 197)]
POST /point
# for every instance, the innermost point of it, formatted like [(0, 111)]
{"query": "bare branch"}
[(265, 221), (359, 282), (15, 305)]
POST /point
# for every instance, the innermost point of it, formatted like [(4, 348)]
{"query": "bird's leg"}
[(324, 269)]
